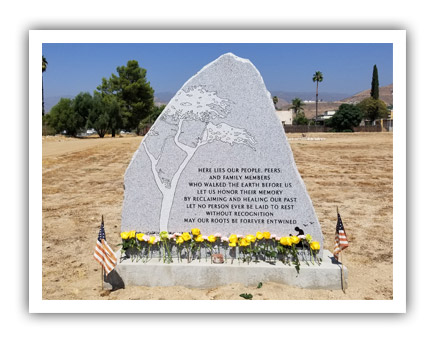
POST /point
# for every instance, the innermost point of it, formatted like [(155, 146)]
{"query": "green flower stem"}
[(166, 252), (296, 260), (169, 253), (188, 253), (311, 254), (303, 252)]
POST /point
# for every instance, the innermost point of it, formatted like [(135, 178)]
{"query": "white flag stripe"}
[(103, 253), (109, 251), (106, 265), (109, 263), (100, 253), (103, 258), (106, 250)]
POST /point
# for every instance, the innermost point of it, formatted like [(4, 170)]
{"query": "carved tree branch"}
[(154, 162), (204, 137), (182, 146)]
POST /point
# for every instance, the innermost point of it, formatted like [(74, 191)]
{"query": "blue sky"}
[(347, 68)]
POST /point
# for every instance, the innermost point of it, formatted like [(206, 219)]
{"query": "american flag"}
[(103, 253), (341, 241)]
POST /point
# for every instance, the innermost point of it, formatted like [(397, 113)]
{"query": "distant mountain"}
[(285, 98), (306, 96), (385, 94), (163, 97)]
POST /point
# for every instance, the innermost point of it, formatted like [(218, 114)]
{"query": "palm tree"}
[(44, 67), (297, 105), (317, 77)]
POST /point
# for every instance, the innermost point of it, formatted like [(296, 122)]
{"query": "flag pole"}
[(340, 259), (343, 274), (102, 279), (102, 271)]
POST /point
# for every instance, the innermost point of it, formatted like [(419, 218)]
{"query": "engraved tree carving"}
[(199, 105)]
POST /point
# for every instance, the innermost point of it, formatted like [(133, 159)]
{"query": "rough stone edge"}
[(287, 144)]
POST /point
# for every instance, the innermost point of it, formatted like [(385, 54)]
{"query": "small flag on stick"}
[(341, 241), (103, 253)]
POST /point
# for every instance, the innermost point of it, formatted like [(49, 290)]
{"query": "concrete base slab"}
[(204, 274)]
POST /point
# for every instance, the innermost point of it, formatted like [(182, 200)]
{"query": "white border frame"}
[(396, 37)]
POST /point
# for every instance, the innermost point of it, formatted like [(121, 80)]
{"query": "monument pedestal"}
[(204, 274)]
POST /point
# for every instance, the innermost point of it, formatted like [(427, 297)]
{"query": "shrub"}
[(346, 118)]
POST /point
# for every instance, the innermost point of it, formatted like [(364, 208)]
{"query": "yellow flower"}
[(267, 235), (131, 234), (124, 235), (309, 238), (232, 244), (196, 231), (152, 240), (179, 240), (259, 235), (199, 238), (286, 241), (250, 238), (233, 238), (140, 236), (315, 246), (211, 238), (186, 236), (244, 242), (295, 239)]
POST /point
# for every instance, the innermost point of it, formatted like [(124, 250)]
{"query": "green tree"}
[(114, 104), (375, 84), (44, 68), (105, 115), (115, 113), (99, 118), (300, 119), (62, 117), (317, 77), (297, 105), (46, 128), (150, 119), (373, 109), (346, 117), (275, 100), (82, 106), (133, 91)]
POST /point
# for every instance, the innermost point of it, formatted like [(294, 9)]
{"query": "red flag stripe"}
[(98, 256), (106, 265), (109, 251), (104, 248), (101, 258), (102, 262), (104, 257)]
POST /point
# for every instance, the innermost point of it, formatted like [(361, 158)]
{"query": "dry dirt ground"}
[(83, 179)]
